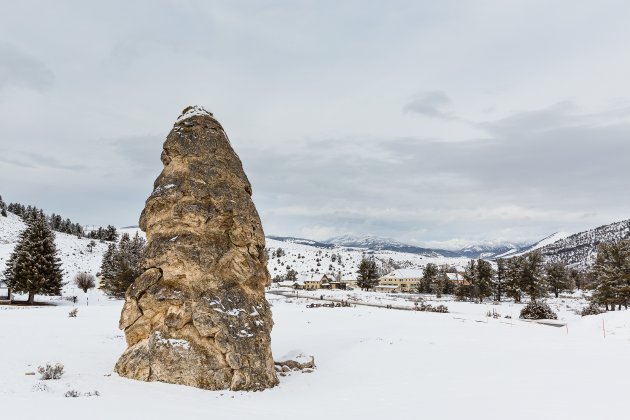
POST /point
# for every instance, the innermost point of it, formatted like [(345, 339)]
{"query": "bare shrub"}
[(41, 387), (72, 394), (50, 371), (85, 281), (73, 313)]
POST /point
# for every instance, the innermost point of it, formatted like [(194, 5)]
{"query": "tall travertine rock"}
[(198, 316)]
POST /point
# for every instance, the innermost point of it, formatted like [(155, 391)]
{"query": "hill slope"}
[(73, 251), (580, 249)]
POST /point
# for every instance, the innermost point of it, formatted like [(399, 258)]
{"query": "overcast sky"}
[(438, 123)]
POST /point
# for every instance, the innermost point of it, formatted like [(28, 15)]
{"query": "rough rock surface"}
[(198, 315)]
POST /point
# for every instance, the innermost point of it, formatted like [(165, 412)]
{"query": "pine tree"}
[(3, 208), (440, 284), (34, 267), (367, 277), (612, 274), (576, 277), (478, 275), (500, 278), (483, 281), (558, 278), (513, 285), (429, 276), (110, 233), (533, 275), (122, 264)]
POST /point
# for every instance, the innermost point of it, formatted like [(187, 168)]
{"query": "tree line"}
[(514, 278), (34, 267), (59, 224), (121, 264)]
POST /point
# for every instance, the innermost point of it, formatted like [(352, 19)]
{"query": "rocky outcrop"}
[(197, 315)]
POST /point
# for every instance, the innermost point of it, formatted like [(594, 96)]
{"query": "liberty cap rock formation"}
[(198, 315)]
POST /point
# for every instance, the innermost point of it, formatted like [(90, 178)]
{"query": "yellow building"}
[(457, 278), (403, 280), (313, 281)]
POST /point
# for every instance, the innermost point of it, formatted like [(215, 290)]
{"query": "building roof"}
[(311, 277), (287, 283), (405, 273)]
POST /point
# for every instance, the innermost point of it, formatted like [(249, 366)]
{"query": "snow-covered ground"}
[(305, 258), (372, 363), (74, 253)]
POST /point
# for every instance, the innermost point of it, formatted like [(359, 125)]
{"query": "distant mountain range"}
[(376, 243), (578, 249)]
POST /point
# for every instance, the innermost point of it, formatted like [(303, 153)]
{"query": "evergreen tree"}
[(513, 285), (612, 274), (533, 275), (34, 267), (121, 264), (110, 233), (500, 278), (429, 276), (3, 208), (440, 284), (483, 281), (576, 278), (292, 275), (368, 277), (558, 279), (478, 276)]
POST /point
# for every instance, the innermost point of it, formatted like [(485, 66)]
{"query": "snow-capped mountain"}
[(487, 250), (523, 249), (376, 243), (491, 250), (580, 249), (301, 241)]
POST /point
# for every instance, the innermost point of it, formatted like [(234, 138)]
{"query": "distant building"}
[(387, 289), (457, 278), (5, 292), (313, 281), (403, 280), (289, 283), (350, 283)]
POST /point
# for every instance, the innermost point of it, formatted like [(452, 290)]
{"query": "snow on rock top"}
[(193, 111)]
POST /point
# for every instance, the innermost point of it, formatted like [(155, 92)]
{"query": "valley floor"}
[(372, 363)]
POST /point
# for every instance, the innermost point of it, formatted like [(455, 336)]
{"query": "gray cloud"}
[(142, 153), (520, 128), (536, 172), (430, 104), (21, 69), (48, 161)]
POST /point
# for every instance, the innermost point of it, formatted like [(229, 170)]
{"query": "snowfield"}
[(372, 362), (73, 251), (304, 259)]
